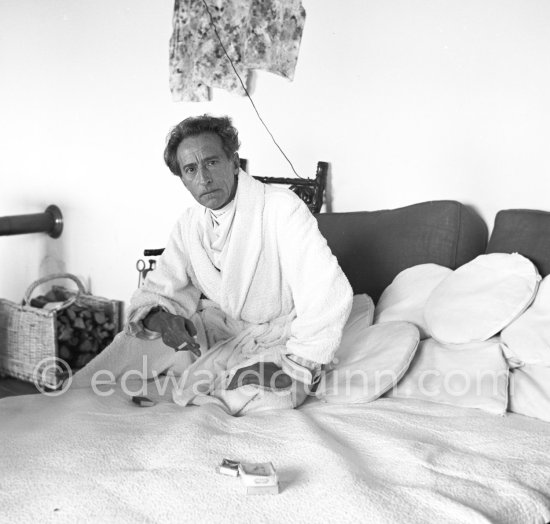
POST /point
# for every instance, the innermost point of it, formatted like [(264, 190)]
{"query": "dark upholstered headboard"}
[(523, 231), (372, 247)]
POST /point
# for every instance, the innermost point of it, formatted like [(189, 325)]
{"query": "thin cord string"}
[(212, 23)]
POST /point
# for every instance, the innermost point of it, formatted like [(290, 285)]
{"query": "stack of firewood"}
[(82, 332)]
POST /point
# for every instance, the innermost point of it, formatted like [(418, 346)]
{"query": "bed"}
[(83, 457)]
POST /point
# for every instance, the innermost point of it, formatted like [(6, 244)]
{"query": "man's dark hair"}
[(195, 125)]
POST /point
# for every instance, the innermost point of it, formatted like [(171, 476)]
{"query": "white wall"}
[(408, 100)]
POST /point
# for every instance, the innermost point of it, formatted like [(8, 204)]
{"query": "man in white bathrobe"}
[(247, 286)]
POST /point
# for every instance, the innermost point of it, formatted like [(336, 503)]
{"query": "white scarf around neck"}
[(219, 223), (229, 286)]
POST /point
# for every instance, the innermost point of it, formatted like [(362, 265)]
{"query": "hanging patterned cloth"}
[(257, 34)]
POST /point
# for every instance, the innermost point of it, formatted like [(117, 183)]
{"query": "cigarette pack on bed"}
[(259, 478), (229, 468)]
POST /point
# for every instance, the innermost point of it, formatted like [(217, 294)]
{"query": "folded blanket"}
[(207, 379), (204, 379)]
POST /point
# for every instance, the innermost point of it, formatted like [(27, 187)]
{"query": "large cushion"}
[(530, 391), (372, 247), (405, 298), (361, 315), (524, 231), (527, 344), (482, 297), (370, 361), (470, 375), (528, 337)]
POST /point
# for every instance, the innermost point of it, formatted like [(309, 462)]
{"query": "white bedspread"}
[(81, 457)]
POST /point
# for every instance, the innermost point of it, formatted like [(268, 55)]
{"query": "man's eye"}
[(211, 162), (190, 170)]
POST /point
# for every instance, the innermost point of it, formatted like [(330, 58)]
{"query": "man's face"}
[(206, 171)]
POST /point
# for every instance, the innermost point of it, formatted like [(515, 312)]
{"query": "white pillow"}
[(528, 337), (405, 298), (480, 298), (469, 375), (370, 361), (530, 391), (362, 312)]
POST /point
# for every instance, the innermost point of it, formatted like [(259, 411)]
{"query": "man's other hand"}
[(176, 331), (265, 374)]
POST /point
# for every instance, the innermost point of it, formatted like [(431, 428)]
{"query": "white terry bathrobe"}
[(277, 290)]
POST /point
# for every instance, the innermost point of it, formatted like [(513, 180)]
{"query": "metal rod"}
[(51, 222)]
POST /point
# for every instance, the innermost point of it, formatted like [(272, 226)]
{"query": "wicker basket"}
[(28, 334)]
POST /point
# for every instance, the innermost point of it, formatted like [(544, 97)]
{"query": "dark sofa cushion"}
[(523, 231), (372, 247)]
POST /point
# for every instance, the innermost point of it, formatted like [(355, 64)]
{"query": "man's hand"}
[(265, 374), (176, 332)]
